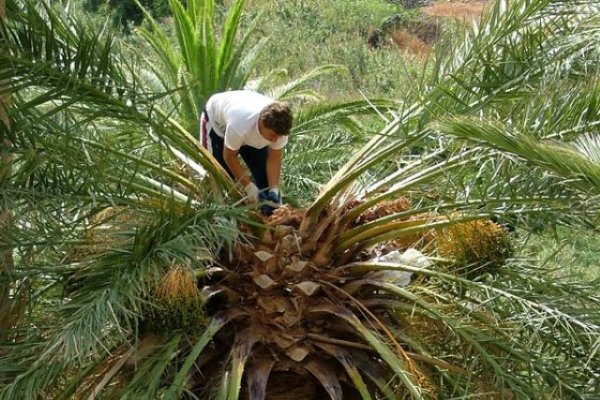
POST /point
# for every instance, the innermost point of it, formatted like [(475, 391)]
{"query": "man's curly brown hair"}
[(278, 117)]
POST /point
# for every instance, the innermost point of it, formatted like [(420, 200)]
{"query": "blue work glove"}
[(269, 201)]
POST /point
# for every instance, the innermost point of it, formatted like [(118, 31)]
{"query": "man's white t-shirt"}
[(234, 116)]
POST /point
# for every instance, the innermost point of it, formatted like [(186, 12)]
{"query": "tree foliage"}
[(128, 12), (110, 227)]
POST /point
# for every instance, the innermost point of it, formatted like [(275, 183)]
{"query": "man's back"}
[(240, 109)]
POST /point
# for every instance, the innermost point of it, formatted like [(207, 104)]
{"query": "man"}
[(246, 123)]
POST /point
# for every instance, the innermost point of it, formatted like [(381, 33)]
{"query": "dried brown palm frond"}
[(383, 209)]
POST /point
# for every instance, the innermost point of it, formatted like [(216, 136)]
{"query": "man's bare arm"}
[(233, 162)]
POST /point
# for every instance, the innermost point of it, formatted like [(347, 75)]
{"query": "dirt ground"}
[(418, 39), (464, 9)]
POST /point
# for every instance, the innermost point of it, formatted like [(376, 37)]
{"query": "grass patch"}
[(317, 32), (574, 253)]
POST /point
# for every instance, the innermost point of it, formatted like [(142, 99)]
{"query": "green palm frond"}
[(216, 324), (319, 118), (288, 91), (589, 146), (513, 306), (582, 172), (74, 68), (202, 63), (99, 310), (560, 110), (477, 79)]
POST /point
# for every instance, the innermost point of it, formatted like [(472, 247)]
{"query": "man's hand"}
[(269, 201), (274, 196), (251, 191)]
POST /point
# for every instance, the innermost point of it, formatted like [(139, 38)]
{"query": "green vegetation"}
[(571, 252), (336, 32), (140, 273), (127, 12)]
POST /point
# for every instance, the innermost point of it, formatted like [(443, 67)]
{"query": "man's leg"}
[(216, 144), (256, 160)]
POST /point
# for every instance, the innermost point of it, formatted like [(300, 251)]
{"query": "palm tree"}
[(145, 284)]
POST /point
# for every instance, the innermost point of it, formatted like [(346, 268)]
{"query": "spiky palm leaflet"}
[(6, 217)]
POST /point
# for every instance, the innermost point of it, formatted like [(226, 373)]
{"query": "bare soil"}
[(463, 10), (419, 36)]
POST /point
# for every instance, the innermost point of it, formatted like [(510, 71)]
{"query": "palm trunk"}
[(6, 215)]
